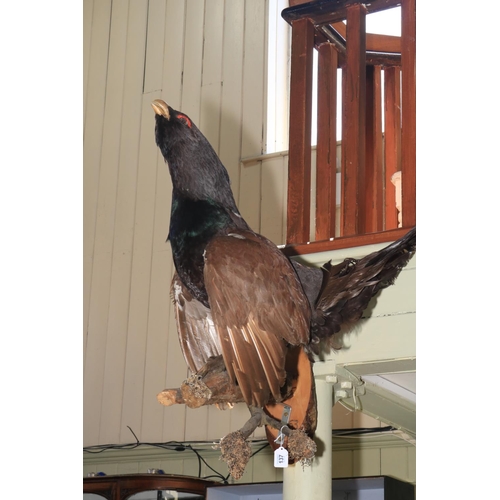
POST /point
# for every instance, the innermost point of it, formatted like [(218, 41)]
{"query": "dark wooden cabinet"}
[(122, 487)]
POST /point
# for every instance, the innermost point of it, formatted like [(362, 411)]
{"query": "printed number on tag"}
[(281, 457)]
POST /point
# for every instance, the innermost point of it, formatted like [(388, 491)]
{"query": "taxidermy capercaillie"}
[(236, 295)]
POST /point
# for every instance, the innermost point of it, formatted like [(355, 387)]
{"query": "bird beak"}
[(160, 107)]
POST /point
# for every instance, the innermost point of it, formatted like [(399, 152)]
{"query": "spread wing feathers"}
[(258, 307), (351, 284), (197, 335)]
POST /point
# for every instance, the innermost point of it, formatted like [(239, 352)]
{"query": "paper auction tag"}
[(281, 457)]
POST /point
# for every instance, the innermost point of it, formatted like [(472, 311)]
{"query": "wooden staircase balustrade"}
[(369, 159)]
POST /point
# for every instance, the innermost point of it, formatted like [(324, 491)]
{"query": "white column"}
[(315, 481)]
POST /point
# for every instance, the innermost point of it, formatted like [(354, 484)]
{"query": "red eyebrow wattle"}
[(185, 118)]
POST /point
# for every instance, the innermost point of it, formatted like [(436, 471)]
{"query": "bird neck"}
[(193, 218), (197, 172), (193, 224)]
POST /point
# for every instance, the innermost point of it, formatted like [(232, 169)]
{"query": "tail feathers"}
[(349, 286)]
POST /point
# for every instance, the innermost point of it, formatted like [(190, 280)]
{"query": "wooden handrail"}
[(369, 158), (331, 11), (340, 243)]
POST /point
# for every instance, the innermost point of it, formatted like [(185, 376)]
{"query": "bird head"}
[(174, 131), (194, 166)]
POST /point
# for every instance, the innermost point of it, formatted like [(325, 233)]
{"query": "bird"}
[(235, 293)]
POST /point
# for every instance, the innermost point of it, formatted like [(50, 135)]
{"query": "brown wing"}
[(197, 335), (258, 306)]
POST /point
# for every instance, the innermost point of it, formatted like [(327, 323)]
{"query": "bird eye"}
[(185, 118)]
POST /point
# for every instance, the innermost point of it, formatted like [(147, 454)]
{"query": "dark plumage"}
[(350, 285), (235, 293)]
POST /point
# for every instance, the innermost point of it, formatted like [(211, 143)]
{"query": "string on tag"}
[(280, 455), (281, 437)]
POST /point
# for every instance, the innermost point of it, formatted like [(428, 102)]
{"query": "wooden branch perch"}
[(211, 385)]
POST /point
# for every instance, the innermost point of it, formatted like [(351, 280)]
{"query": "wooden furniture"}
[(367, 207), (122, 487)]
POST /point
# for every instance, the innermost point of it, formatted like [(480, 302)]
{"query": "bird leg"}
[(236, 451)]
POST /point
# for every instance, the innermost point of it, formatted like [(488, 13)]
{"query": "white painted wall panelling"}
[(207, 60)]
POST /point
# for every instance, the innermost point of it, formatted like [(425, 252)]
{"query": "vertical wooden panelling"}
[(253, 90), (239, 415), (408, 110), (273, 193), (211, 82), (105, 221), (366, 462), (252, 116), (264, 470), (130, 127), (162, 322), (96, 90), (193, 59), (221, 116), (285, 201), (174, 417), (172, 79), (374, 160), (160, 308), (412, 464), (232, 81), (392, 137), (173, 466), (250, 186), (190, 467), (353, 124), (299, 163), (128, 468), (326, 159), (394, 462), (137, 314), (192, 94), (342, 464), (154, 46), (88, 7)]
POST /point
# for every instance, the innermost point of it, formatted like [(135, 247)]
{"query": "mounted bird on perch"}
[(248, 318)]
